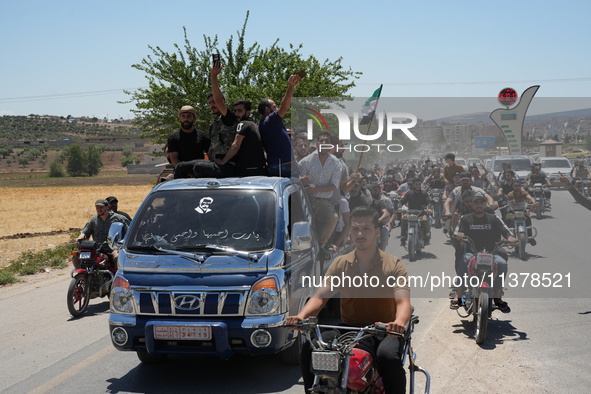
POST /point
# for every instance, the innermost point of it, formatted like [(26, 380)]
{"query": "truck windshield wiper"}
[(189, 256), (220, 248)]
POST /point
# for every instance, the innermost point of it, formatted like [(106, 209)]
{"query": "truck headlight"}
[(264, 298), (122, 296)]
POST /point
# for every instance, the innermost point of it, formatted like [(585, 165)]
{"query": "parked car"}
[(214, 266), (552, 165), (577, 154)]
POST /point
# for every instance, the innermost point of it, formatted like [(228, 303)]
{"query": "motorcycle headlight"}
[(264, 298), (85, 255), (122, 297), (326, 361)]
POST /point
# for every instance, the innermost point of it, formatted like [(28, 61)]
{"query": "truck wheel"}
[(148, 358), (291, 355)]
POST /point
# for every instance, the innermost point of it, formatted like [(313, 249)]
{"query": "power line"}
[(62, 96), (582, 79)]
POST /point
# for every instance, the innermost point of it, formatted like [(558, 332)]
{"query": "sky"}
[(66, 57)]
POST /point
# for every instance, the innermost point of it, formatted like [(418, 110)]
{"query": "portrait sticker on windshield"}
[(204, 204)]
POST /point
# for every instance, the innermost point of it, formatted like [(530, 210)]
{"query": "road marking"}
[(75, 370)]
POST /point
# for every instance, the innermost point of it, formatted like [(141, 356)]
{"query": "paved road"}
[(543, 345)]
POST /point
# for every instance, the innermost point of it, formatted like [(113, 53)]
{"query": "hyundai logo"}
[(187, 302)]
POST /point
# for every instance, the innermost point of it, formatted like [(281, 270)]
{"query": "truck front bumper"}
[(235, 335)]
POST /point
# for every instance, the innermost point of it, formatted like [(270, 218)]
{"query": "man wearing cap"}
[(98, 228), (455, 195), (187, 144), (485, 229), (114, 204)]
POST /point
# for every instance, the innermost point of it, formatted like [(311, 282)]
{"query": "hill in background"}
[(35, 128)]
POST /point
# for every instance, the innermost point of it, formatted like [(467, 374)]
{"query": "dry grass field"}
[(54, 211)]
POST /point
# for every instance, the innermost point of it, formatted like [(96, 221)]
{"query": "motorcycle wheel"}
[(481, 318), (437, 217), (522, 243), (148, 358), (78, 295), (412, 242), (539, 210)]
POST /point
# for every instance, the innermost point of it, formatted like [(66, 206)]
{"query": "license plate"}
[(484, 260), (183, 333)]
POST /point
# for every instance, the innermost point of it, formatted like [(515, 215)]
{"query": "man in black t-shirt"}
[(187, 144), (247, 148), (485, 229)]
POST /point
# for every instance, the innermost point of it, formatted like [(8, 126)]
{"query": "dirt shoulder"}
[(28, 282)]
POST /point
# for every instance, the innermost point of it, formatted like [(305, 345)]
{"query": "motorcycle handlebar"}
[(312, 324)]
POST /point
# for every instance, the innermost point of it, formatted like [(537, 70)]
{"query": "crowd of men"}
[(234, 144)]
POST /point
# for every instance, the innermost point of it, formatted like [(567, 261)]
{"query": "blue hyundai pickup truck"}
[(214, 266)]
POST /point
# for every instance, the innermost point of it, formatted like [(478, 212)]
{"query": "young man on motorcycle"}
[(362, 306), (538, 176), (114, 206), (454, 199), (98, 228), (518, 198), (435, 180), (485, 229), (416, 198)]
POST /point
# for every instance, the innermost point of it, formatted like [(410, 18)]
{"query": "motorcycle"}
[(515, 217), (416, 238), (540, 197), (478, 300), (340, 367), (436, 196), (93, 279), (582, 185)]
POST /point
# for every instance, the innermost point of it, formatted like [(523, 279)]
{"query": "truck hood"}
[(205, 263)]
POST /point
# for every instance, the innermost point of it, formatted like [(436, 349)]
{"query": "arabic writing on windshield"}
[(237, 219)]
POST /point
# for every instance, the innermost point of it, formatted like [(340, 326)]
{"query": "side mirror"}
[(114, 236), (300, 235)]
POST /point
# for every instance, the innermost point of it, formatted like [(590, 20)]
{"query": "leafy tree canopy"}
[(250, 73)]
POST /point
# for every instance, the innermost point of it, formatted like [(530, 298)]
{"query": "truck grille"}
[(188, 303)]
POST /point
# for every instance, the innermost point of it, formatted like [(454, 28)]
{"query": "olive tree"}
[(250, 72)]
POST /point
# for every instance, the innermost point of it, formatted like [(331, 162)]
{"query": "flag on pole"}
[(369, 108)]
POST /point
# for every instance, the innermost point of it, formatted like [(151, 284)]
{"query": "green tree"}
[(5, 150), (76, 160), (129, 160), (56, 170), (250, 72), (93, 161), (128, 150), (23, 161)]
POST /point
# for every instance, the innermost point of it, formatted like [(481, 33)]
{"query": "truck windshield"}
[(185, 219)]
